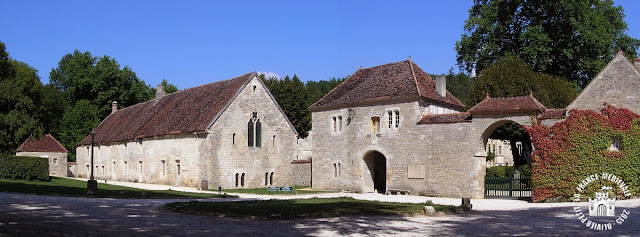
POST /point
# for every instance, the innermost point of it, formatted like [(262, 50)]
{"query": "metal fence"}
[(507, 188)]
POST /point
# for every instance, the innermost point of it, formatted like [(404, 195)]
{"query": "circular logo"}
[(601, 212)]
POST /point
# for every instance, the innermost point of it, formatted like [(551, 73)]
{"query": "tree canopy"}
[(572, 39), (511, 76)]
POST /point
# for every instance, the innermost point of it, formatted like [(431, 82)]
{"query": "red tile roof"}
[(445, 118), (385, 82), (190, 110), (46, 143), (552, 114), (508, 105)]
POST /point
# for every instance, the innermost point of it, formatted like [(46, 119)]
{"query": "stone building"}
[(230, 133), (47, 147), (392, 127), (617, 84)]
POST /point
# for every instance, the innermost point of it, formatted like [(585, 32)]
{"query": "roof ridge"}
[(413, 73)]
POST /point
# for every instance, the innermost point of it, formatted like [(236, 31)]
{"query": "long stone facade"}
[(218, 156)]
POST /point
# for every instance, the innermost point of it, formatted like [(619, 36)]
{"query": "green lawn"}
[(71, 187), (303, 208), (296, 189)]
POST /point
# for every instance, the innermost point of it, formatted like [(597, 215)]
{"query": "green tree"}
[(566, 38), (292, 97), (511, 76), (20, 96), (318, 89), (78, 121), (80, 76)]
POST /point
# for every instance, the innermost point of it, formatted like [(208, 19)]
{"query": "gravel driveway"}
[(30, 215)]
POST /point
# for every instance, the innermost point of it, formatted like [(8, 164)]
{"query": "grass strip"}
[(306, 208), (76, 188)]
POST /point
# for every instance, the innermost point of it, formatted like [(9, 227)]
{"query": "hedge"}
[(24, 167), (500, 171)]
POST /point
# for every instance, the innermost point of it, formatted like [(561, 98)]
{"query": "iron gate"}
[(507, 188)]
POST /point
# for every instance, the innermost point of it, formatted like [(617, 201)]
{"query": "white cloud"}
[(270, 75)]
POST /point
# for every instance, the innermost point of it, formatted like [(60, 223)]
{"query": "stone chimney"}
[(441, 86), (114, 106), (637, 63), (160, 92)]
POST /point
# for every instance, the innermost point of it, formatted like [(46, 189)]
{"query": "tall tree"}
[(572, 39), (20, 97), (89, 86), (292, 97)]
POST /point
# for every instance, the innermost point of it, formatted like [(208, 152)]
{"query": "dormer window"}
[(616, 144)]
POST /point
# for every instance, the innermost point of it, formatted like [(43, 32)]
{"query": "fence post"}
[(510, 186)]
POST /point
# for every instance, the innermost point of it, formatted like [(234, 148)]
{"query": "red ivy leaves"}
[(555, 156)]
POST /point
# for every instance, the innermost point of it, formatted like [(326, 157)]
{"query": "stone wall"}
[(301, 172), (617, 84), (57, 161), (229, 153)]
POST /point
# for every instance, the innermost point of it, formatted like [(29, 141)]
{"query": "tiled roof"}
[(46, 143), (508, 105), (385, 82), (552, 114), (190, 110), (445, 118)]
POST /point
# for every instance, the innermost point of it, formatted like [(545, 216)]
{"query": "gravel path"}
[(31, 215)]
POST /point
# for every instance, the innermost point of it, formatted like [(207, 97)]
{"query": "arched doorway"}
[(375, 173), (508, 148)]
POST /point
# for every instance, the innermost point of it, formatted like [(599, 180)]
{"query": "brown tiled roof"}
[(507, 105), (445, 118), (190, 110), (553, 114), (385, 82), (46, 143)]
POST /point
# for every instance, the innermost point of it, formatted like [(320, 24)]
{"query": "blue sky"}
[(196, 42)]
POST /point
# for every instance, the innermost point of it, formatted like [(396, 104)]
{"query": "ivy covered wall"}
[(581, 145)]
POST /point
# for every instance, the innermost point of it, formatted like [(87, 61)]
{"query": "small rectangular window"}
[(55, 161), (126, 169), (499, 150), (390, 118), (334, 124), (397, 118), (340, 123), (164, 168), (616, 144)]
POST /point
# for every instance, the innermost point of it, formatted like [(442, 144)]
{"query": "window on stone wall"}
[(242, 180), (266, 179), (254, 132), (271, 179), (335, 170), (499, 150), (397, 114), (375, 124), (273, 143), (233, 139), (164, 168), (339, 169), (88, 172), (616, 144), (113, 169), (334, 119), (339, 123), (237, 179), (126, 169), (55, 161), (390, 113)]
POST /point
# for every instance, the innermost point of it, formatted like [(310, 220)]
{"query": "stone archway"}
[(375, 172)]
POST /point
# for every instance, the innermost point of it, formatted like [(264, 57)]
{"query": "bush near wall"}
[(500, 171), (24, 167), (569, 151)]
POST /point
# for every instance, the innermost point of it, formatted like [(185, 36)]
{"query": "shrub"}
[(525, 170), (24, 167), (500, 171)]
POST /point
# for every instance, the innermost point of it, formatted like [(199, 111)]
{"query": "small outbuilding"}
[(47, 147)]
